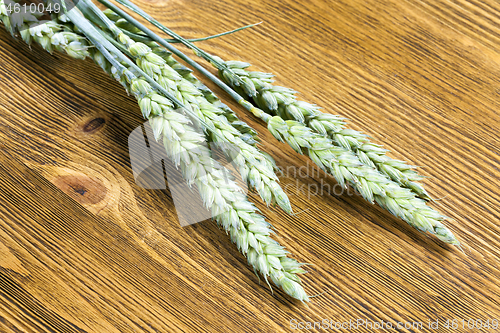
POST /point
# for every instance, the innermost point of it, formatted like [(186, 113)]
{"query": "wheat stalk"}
[(187, 148), (257, 86)]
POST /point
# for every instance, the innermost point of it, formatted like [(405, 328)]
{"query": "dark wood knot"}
[(85, 190), (93, 125)]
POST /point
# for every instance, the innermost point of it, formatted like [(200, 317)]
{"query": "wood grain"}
[(84, 249)]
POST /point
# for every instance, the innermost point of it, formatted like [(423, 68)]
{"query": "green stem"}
[(157, 24), (145, 39)]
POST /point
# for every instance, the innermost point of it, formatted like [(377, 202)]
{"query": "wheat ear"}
[(258, 87), (232, 209), (346, 167)]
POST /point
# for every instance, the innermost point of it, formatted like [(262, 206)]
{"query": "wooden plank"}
[(83, 248)]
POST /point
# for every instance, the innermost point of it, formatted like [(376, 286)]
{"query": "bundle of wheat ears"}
[(173, 99)]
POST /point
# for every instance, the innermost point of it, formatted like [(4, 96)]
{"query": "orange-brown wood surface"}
[(84, 249)]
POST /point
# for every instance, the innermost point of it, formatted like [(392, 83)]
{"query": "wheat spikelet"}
[(48, 34)]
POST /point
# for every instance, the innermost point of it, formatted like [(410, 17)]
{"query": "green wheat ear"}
[(276, 100), (346, 167)]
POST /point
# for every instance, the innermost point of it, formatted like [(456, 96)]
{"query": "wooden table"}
[(84, 249)]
